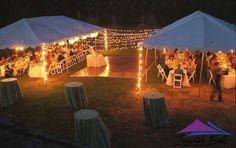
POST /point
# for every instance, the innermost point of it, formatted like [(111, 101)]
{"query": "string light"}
[(71, 41), (84, 37), (61, 43), (44, 71), (117, 39), (164, 51), (105, 40), (19, 48), (93, 35), (139, 78)]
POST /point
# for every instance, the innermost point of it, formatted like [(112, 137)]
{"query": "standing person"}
[(217, 87)]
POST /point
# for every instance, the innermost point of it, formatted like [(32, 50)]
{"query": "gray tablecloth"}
[(155, 112), (76, 97), (90, 129), (10, 92)]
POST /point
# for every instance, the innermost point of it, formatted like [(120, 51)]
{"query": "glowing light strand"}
[(139, 78), (105, 40), (44, 71), (123, 39)]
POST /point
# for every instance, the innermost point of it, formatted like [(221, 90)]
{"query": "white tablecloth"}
[(96, 60), (170, 79), (2, 71), (35, 71), (228, 81)]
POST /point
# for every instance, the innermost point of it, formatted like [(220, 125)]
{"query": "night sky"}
[(117, 13)]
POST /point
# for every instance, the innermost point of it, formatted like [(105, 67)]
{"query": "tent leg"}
[(200, 80), (146, 65), (155, 56), (95, 40)]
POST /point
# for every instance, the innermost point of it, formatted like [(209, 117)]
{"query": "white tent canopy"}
[(46, 29), (195, 31)]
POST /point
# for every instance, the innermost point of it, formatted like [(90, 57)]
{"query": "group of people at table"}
[(17, 63), (184, 63), (179, 62)]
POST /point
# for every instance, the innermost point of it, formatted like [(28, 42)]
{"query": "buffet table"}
[(96, 60)]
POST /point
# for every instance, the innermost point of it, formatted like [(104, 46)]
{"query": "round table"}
[(76, 97), (95, 60), (90, 129), (170, 79), (155, 112), (10, 92)]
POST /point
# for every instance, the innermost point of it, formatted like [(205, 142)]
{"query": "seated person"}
[(60, 57), (8, 72), (179, 70), (168, 64)]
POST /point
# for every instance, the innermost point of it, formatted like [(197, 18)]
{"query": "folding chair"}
[(63, 65), (69, 62), (162, 73), (158, 72), (191, 76), (52, 69), (211, 78), (58, 68), (74, 61), (177, 83)]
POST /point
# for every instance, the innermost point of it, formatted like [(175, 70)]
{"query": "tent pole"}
[(146, 64), (155, 56), (95, 43), (200, 80)]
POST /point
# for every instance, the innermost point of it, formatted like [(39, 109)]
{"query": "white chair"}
[(63, 65), (58, 68), (74, 60), (177, 83), (161, 72), (158, 72), (211, 78), (79, 57), (191, 77), (52, 70), (69, 62)]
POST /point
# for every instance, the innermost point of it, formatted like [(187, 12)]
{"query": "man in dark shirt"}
[(217, 87), (8, 72), (60, 58), (179, 70)]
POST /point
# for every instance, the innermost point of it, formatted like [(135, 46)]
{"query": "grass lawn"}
[(120, 107)]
